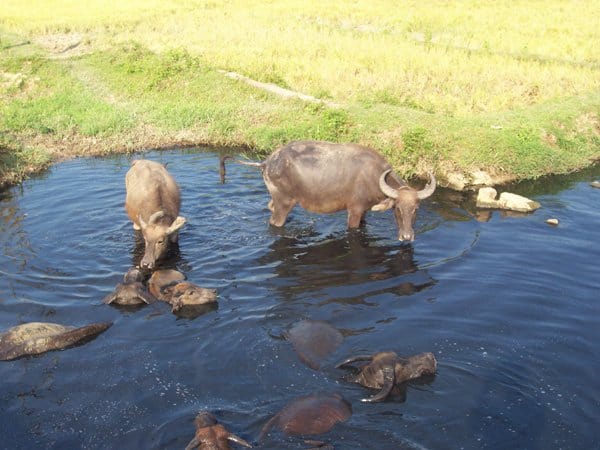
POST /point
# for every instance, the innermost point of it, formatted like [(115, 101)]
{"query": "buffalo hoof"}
[(35, 338), (310, 415), (163, 279), (386, 371), (212, 435), (313, 341)]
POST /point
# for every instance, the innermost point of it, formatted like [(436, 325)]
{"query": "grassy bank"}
[(511, 88)]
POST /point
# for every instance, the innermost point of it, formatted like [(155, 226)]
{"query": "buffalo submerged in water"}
[(325, 177)]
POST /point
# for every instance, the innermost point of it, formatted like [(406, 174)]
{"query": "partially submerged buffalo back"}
[(310, 415), (152, 203), (313, 341), (38, 337)]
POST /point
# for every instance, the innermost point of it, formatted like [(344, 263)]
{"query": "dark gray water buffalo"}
[(325, 177), (386, 370), (131, 291), (34, 338), (152, 203), (313, 341), (211, 435)]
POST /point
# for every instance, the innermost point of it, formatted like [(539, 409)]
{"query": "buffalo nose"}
[(406, 237), (147, 265)]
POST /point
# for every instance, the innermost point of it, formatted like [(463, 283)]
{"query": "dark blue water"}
[(509, 306)]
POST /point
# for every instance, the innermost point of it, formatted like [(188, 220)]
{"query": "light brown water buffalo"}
[(186, 294), (35, 338), (310, 415), (211, 435), (325, 177), (386, 370), (152, 203), (169, 285), (131, 292), (162, 280)]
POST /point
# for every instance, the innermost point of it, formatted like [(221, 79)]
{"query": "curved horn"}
[(154, 217), (239, 440), (353, 359), (194, 443), (388, 384), (429, 189), (386, 188)]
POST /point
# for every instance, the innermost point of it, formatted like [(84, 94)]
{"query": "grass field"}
[(509, 87)]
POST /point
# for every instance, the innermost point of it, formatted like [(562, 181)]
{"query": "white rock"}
[(486, 198), (516, 202), (552, 222)]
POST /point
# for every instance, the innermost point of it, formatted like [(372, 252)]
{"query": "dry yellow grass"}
[(454, 58)]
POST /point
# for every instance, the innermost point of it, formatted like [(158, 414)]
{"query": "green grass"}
[(511, 87)]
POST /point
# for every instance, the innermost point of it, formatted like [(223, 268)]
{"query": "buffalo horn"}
[(388, 383), (386, 188), (154, 217), (239, 440), (353, 359), (427, 190), (194, 443)]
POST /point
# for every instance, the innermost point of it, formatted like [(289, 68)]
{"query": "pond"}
[(508, 306)]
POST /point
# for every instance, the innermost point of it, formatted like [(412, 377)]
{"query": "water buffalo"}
[(309, 415), (152, 203), (162, 281), (325, 177), (188, 294), (131, 292), (313, 341), (212, 435), (34, 338), (386, 370)]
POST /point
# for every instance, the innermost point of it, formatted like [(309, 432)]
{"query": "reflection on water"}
[(507, 305), (351, 265)]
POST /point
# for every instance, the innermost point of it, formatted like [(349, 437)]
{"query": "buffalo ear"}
[(176, 225), (384, 205)]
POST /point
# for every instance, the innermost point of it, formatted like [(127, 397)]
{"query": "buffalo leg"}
[(280, 210), (355, 217)]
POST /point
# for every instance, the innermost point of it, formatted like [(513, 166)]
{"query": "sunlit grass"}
[(508, 86), (454, 58)]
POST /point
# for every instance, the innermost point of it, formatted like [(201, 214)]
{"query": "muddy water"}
[(509, 307)]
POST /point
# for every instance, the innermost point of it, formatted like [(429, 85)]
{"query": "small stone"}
[(595, 184), (553, 222)]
